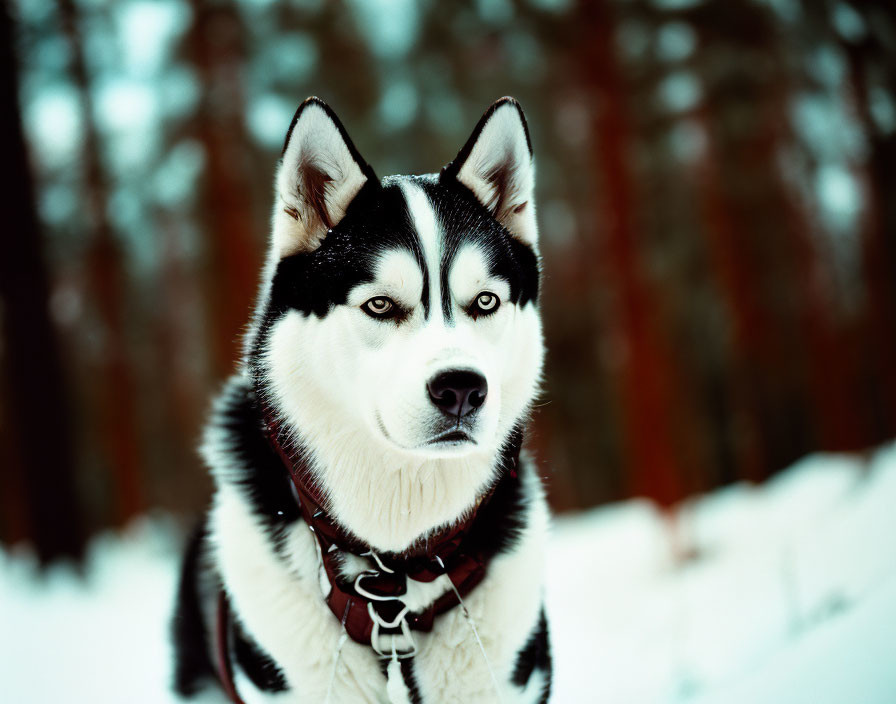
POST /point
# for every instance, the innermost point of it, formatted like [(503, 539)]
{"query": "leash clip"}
[(400, 619)]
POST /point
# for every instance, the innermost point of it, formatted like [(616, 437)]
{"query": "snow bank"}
[(100, 637), (789, 595)]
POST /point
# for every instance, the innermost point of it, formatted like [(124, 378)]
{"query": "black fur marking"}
[(193, 666), (264, 482), (464, 219), (258, 665), (499, 522), (378, 219), (421, 262), (314, 282), (535, 655), (409, 677), (256, 469)]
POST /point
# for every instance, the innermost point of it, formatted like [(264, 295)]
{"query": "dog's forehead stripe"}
[(444, 223), (426, 225), (464, 221)]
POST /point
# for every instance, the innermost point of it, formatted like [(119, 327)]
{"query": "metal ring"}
[(375, 617), (405, 632), (378, 561), (370, 595)]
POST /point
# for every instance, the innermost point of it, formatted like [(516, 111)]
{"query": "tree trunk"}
[(646, 378), (39, 459), (117, 402), (731, 266), (216, 45), (879, 222)]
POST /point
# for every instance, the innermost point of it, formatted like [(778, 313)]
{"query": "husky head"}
[(398, 335)]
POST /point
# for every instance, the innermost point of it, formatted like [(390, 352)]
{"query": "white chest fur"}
[(279, 602)]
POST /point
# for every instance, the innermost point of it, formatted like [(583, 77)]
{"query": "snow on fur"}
[(790, 597)]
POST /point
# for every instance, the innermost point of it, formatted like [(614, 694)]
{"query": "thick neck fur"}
[(387, 498)]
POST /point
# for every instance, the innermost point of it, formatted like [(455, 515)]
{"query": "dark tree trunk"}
[(113, 373), (732, 268), (866, 56), (840, 417), (216, 43), (178, 483), (39, 459), (646, 378)]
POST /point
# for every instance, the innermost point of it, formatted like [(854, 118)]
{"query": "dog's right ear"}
[(320, 174)]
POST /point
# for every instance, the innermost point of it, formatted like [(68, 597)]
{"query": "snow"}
[(784, 592), (789, 597), (68, 638)]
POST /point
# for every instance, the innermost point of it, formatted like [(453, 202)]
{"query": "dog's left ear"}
[(496, 164), (320, 174)]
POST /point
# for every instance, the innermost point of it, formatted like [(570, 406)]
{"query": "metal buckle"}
[(400, 621), (370, 595), (378, 622), (379, 562)]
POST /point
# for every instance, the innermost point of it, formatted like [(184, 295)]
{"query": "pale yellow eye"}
[(486, 301), (378, 307)]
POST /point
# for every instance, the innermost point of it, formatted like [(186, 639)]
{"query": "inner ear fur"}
[(497, 165), (320, 173)]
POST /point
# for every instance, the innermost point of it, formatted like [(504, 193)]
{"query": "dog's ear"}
[(496, 164), (320, 174)]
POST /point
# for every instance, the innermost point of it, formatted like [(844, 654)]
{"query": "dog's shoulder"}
[(239, 456)]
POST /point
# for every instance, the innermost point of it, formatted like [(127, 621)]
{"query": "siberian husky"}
[(376, 534)]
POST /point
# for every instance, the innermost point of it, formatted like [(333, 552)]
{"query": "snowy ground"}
[(790, 596)]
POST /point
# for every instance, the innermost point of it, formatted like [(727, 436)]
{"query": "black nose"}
[(458, 392)]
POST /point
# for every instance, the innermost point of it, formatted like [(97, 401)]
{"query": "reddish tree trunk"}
[(216, 44), (731, 265), (839, 415), (837, 410), (645, 373), (117, 403), (764, 339), (182, 389)]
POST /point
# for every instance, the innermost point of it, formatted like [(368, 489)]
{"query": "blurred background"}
[(715, 191)]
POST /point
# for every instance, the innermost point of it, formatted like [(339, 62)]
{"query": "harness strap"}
[(444, 554), (464, 565), (222, 649)]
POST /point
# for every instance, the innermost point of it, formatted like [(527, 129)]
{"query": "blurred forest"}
[(716, 201)]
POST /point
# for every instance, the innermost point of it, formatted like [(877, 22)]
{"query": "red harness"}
[(371, 605)]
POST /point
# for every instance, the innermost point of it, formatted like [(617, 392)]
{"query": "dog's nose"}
[(458, 392)]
